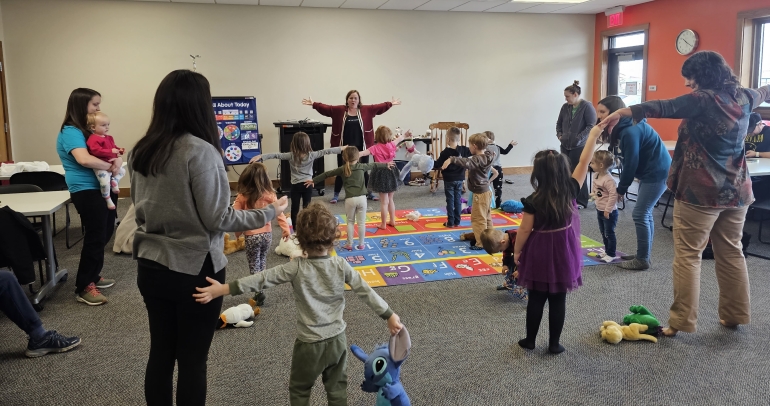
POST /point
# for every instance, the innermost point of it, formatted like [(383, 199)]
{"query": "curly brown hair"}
[(317, 228), (254, 183)]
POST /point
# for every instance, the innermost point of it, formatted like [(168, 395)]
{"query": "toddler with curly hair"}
[(319, 291)]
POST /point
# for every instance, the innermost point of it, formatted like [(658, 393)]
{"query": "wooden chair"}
[(439, 142)]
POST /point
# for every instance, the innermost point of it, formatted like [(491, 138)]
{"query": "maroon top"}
[(338, 113)]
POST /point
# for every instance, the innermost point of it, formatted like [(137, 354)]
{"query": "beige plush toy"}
[(235, 245), (613, 332)]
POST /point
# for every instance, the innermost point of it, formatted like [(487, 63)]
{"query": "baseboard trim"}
[(511, 170)]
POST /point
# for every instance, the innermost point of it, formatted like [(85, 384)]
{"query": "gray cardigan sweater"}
[(183, 213), (573, 131)]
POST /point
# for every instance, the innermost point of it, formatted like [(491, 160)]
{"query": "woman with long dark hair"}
[(710, 182), (646, 158), (576, 118), (98, 221), (352, 125), (182, 198)]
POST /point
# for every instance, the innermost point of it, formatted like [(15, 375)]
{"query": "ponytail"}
[(347, 170)]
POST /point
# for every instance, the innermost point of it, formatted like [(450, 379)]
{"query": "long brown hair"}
[(552, 181), (254, 183), (300, 147), (613, 104), (77, 109), (710, 71), (349, 155), (182, 105)]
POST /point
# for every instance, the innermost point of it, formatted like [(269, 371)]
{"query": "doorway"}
[(5, 138), (624, 64)]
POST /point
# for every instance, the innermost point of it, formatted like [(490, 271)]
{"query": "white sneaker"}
[(606, 258), (600, 252)]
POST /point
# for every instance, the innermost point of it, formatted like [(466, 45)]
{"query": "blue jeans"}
[(16, 306), (648, 195), (607, 227), (453, 191)]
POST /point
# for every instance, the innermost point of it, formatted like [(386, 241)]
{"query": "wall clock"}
[(686, 42)]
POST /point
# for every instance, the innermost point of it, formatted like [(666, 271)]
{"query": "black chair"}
[(761, 207), (9, 189), (49, 182)]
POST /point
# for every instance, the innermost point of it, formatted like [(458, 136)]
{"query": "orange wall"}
[(713, 20)]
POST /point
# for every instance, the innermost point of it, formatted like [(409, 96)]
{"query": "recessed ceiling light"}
[(550, 1)]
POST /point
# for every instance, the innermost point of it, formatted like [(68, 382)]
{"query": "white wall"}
[(499, 72)]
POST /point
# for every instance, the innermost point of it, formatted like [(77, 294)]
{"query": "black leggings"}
[(497, 184), (298, 190), (181, 331), (338, 181), (99, 223), (556, 310)]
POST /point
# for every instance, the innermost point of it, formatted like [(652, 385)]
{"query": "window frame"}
[(748, 49), (606, 36)]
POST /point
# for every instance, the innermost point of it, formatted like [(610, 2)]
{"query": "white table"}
[(51, 168), (670, 145), (41, 204), (758, 166)]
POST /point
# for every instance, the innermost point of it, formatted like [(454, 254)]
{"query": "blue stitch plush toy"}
[(382, 367)]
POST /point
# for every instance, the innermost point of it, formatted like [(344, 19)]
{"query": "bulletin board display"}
[(238, 131)]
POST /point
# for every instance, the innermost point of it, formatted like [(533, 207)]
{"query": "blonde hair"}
[(606, 158), (383, 135), (490, 135), (490, 239), (479, 140), (349, 155), (300, 147), (91, 119), (453, 134), (254, 184)]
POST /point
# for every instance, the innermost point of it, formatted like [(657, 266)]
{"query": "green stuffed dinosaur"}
[(640, 314)]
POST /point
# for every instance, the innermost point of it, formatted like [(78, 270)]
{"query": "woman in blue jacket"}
[(644, 158)]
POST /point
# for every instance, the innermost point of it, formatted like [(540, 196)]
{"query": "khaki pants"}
[(328, 358), (481, 214), (692, 227)]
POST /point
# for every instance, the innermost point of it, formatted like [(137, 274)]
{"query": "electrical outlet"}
[(653, 88)]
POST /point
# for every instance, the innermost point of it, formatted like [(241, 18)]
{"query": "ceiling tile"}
[(441, 5), (322, 3), (479, 5), (545, 8), (250, 2), (363, 4), (290, 3), (402, 4), (511, 7)]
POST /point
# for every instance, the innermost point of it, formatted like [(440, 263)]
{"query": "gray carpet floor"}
[(464, 335)]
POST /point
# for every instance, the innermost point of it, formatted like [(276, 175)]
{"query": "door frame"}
[(4, 90), (606, 34)]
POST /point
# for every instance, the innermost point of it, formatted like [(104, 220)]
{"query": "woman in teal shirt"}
[(99, 222)]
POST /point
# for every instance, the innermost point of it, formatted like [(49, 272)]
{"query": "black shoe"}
[(260, 297), (476, 248), (51, 342)]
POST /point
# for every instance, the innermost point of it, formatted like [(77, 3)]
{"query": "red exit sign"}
[(615, 20)]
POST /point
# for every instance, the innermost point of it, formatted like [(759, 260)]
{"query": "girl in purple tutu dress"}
[(547, 248)]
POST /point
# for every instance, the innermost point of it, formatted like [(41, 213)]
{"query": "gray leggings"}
[(355, 209)]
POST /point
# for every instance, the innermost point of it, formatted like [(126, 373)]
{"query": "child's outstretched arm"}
[(407, 134), (322, 177), (253, 283), (283, 156), (365, 152), (579, 174), (508, 148), (372, 299)]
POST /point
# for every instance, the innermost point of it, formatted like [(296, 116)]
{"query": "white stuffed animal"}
[(238, 316), (423, 163), (289, 247), (413, 215)]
